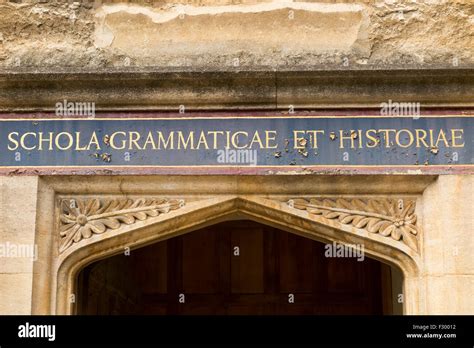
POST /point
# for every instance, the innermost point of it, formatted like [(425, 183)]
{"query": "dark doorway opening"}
[(235, 267)]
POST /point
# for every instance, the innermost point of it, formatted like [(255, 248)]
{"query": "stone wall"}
[(213, 34), (448, 223), (17, 232), (219, 34), (442, 284)]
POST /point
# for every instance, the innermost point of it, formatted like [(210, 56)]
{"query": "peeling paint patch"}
[(189, 10), (177, 32), (103, 36)]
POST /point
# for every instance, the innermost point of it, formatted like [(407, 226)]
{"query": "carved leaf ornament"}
[(387, 217), (82, 218)]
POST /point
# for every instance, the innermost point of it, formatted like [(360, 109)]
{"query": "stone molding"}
[(265, 88), (393, 218), (82, 218), (208, 200)]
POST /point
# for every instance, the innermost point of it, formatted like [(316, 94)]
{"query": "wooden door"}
[(242, 267)]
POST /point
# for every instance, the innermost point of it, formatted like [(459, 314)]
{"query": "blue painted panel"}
[(212, 141)]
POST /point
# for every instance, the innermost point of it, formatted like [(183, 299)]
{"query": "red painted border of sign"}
[(240, 170)]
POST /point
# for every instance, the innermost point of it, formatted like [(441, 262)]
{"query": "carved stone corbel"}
[(82, 218), (393, 218)]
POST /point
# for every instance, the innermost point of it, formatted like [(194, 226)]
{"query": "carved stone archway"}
[(89, 227), (104, 227)]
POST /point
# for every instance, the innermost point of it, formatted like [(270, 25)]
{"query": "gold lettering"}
[(133, 138), (269, 138), (227, 145), (342, 137), (256, 139), (78, 142), (149, 140), (22, 141), (49, 140), (190, 139), (297, 139), (373, 141), (443, 136), (112, 141), (202, 140), (410, 137), (431, 138), (314, 136), (420, 138), (454, 137), (161, 140), (12, 140), (58, 145), (95, 141), (235, 140), (387, 135), (214, 134)]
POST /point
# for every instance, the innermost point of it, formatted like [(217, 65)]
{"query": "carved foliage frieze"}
[(393, 218), (83, 218)]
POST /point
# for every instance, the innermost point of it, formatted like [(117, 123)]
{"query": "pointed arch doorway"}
[(239, 267), (165, 208)]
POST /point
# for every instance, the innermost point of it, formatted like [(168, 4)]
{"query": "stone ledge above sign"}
[(234, 88), (387, 217), (82, 218)]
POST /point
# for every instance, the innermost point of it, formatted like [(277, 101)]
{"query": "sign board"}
[(238, 144)]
